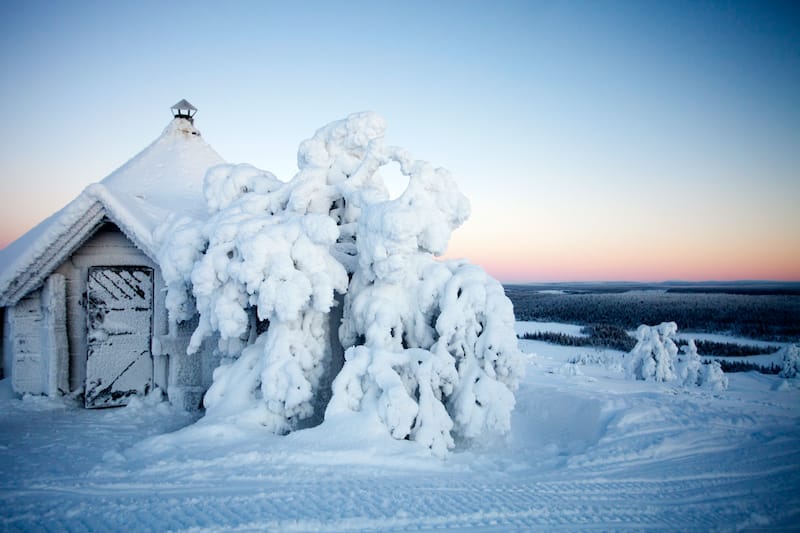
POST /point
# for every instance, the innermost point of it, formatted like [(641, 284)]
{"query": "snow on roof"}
[(166, 177), (169, 173)]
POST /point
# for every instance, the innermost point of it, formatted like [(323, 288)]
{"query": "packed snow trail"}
[(416, 503), (588, 450)]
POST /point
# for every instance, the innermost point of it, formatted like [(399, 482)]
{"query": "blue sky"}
[(596, 140)]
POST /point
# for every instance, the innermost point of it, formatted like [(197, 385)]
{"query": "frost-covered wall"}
[(24, 322), (181, 376), (55, 363), (45, 334), (35, 341), (188, 375), (107, 247)]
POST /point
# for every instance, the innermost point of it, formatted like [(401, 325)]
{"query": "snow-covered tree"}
[(691, 371), (653, 357), (688, 364), (259, 259), (790, 367), (712, 376), (656, 358), (430, 344), (182, 245)]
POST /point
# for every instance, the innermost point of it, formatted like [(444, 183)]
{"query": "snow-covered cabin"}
[(82, 296)]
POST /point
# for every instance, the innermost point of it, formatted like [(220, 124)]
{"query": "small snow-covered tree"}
[(688, 365), (691, 371), (656, 358), (790, 367), (712, 376), (430, 344), (653, 357)]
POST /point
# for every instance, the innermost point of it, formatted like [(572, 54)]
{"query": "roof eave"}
[(54, 254)]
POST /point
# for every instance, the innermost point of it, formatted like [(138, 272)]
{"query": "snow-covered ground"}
[(527, 326), (588, 450), (771, 354)]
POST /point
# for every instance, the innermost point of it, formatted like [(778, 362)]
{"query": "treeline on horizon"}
[(753, 288), (772, 317)]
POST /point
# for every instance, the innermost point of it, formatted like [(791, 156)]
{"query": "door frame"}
[(151, 272)]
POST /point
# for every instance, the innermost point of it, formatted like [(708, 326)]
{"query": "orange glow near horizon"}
[(8, 235), (517, 253), (509, 269), (574, 238), (511, 259)]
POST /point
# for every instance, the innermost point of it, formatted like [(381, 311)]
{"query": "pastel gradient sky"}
[(646, 140)]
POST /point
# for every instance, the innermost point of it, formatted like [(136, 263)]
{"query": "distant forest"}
[(767, 311)]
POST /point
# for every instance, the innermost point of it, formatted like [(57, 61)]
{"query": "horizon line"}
[(661, 282)]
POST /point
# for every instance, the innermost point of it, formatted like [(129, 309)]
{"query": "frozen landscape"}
[(517, 266), (588, 449), (435, 416), (360, 383)]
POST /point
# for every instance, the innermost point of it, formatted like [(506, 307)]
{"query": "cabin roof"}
[(164, 178)]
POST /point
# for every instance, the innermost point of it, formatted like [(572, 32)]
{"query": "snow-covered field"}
[(588, 450)]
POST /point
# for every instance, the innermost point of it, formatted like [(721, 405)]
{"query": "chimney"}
[(184, 109)]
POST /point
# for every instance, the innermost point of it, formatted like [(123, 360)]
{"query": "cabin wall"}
[(183, 377), (24, 325), (107, 247), (35, 341), (190, 375), (179, 375), (55, 346), (45, 334)]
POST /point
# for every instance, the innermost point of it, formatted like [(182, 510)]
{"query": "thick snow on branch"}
[(180, 245), (431, 347), (655, 358), (225, 184), (254, 258), (266, 258)]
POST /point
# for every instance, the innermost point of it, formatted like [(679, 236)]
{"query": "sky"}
[(640, 141)]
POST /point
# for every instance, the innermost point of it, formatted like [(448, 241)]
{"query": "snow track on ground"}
[(418, 503)]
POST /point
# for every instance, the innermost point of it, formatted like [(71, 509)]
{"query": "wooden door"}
[(119, 310)]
